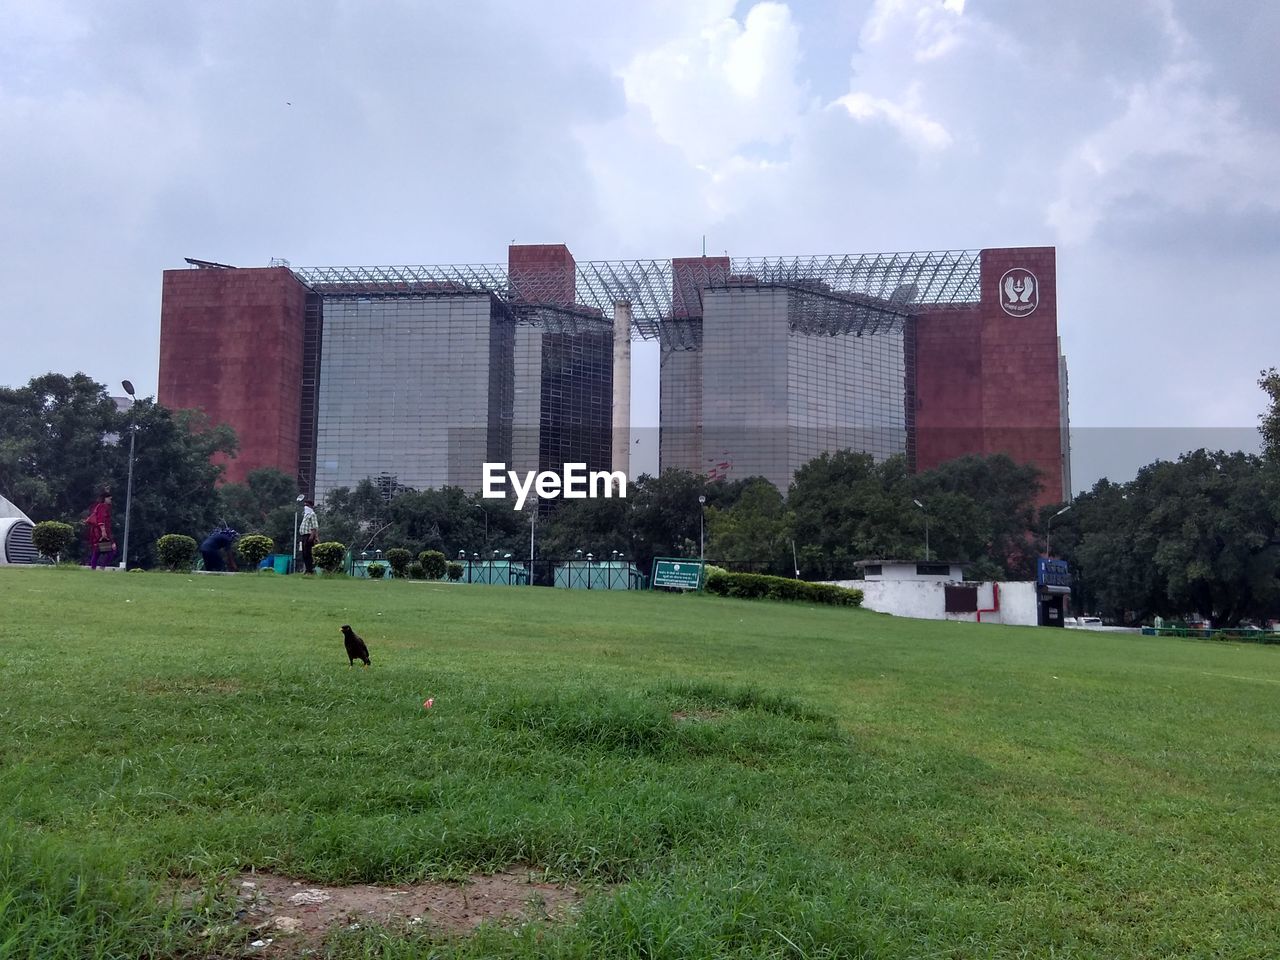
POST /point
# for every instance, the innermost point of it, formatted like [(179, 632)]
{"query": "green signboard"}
[(680, 574)]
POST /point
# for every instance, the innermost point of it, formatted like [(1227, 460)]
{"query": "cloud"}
[(722, 86), (1177, 147), (906, 118)]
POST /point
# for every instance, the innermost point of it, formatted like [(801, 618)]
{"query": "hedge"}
[(399, 559), (328, 555), (433, 564), (177, 551), (52, 538), (754, 586)]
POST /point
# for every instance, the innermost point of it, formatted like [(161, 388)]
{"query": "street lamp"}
[(297, 507), (128, 494), (480, 507), (702, 528), (1048, 526), (926, 529)]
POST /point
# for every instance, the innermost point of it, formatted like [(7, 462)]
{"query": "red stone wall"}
[(543, 271), (231, 346), (987, 382)]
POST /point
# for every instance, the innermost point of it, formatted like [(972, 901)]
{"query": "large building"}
[(418, 375)]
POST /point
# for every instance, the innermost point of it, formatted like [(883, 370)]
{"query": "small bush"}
[(376, 571), (176, 551), (434, 564), (454, 571), (52, 538), (756, 586), (399, 559), (416, 571), (328, 555), (253, 548)]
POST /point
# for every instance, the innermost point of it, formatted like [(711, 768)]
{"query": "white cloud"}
[(929, 29), (725, 86), (1176, 147), (918, 128)]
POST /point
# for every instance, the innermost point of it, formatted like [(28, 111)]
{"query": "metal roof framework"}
[(831, 295)]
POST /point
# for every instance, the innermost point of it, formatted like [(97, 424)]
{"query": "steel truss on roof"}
[(860, 294)]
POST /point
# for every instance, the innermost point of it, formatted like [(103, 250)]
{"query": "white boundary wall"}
[(926, 600)]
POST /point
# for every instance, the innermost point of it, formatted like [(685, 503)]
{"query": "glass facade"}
[(423, 390), (764, 396)]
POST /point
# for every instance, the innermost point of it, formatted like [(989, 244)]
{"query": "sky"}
[(1140, 138)]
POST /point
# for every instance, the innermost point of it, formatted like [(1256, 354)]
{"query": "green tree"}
[(1269, 381), (982, 508), (665, 514), (1195, 536), (174, 476), (265, 503), (846, 508), (58, 446), (754, 527), (62, 441)]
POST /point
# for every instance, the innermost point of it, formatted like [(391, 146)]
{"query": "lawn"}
[(721, 778)]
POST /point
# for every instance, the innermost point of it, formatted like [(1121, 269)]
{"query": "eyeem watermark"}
[(574, 484)]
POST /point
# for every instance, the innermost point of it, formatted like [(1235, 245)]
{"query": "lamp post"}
[(297, 507), (794, 562), (702, 528), (128, 493), (480, 507), (926, 528), (1048, 526)]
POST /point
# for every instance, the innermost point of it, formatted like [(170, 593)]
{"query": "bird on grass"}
[(356, 649)]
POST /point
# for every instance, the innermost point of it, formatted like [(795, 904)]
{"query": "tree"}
[(982, 508), (665, 514), (1196, 536), (62, 441), (755, 527), (59, 446), (174, 478), (846, 508), (1269, 381), (265, 503)]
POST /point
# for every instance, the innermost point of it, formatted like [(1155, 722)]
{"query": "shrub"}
[(434, 564), (52, 538), (454, 571), (753, 586), (416, 571), (376, 571), (254, 547), (399, 559), (328, 555), (176, 551)]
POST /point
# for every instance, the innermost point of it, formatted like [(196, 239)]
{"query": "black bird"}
[(356, 650)]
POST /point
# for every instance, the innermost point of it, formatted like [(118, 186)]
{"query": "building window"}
[(933, 569)]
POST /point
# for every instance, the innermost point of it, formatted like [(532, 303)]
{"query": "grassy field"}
[(725, 778)]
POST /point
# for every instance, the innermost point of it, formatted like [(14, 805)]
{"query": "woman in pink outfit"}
[(102, 546)]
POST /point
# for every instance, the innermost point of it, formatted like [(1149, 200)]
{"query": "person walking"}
[(102, 545), (309, 531)]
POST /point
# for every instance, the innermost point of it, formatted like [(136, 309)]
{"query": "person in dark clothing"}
[(219, 543)]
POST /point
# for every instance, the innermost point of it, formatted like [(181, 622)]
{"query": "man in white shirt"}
[(309, 531)]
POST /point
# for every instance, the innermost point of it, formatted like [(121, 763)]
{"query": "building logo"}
[(1019, 292)]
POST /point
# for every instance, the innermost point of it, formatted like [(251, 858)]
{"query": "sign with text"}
[(1052, 573), (678, 574)]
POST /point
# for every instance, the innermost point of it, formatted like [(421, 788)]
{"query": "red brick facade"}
[(231, 346), (987, 382), (543, 271)]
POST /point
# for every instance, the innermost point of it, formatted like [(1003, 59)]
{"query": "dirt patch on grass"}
[(286, 917)]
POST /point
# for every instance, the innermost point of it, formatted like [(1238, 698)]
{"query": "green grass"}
[(846, 785)]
